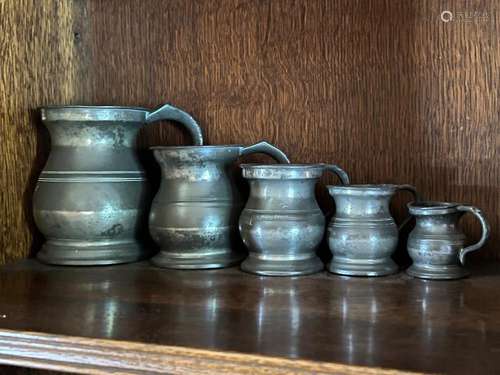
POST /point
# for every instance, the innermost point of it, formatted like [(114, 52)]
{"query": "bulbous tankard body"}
[(282, 223), (436, 244), (194, 215), (92, 196), (362, 235)]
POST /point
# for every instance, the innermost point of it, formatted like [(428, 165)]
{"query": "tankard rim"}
[(199, 147), (363, 189), (96, 107), (431, 207), (281, 166), (84, 113), (282, 171)]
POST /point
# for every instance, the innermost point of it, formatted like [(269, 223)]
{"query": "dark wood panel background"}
[(386, 89)]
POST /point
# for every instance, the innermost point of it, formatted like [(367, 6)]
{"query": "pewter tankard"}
[(362, 235), (282, 224), (92, 197), (436, 244), (194, 215)]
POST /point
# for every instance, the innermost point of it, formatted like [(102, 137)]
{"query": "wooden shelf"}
[(135, 318)]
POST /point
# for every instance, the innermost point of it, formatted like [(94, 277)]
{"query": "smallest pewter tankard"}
[(362, 235), (436, 244), (282, 224)]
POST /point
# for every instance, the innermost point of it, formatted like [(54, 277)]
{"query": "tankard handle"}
[(169, 112), (415, 194), (268, 149), (484, 236), (342, 175)]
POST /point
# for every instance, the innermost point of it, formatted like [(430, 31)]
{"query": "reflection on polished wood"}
[(394, 322)]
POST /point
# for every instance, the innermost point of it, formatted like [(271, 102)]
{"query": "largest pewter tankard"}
[(91, 198), (194, 215)]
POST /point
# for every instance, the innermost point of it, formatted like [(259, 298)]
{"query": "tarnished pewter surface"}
[(436, 244), (362, 235), (194, 215), (92, 197), (282, 224)]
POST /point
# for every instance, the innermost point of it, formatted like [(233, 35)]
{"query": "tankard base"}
[(165, 259), (450, 272), (282, 268), (79, 255), (363, 269)]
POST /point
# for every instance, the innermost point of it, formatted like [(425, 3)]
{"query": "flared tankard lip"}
[(432, 208), (96, 113), (282, 171), (195, 154), (197, 148), (96, 107), (363, 189)]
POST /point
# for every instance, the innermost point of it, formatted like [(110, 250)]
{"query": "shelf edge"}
[(100, 356)]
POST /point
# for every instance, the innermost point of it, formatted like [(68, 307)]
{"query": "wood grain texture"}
[(39, 65), (135, 317), (386, 89)]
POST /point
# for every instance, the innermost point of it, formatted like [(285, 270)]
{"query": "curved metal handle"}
[(268, 149), (169, 112), (342, 175), (415, 194), (484, 236)]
